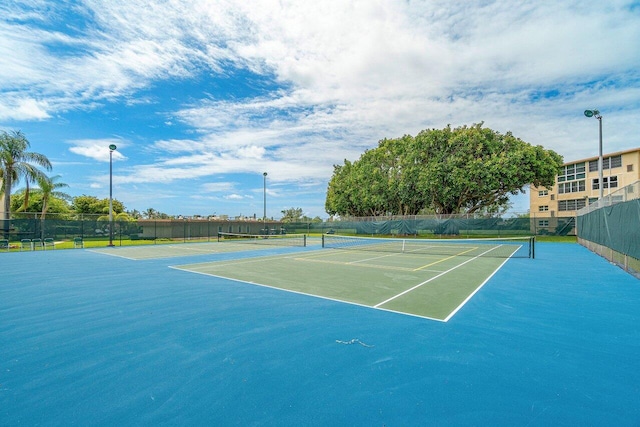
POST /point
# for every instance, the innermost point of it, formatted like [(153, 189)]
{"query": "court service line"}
[(433, 278), (249, 260), (444, 259), (352, 264), (374, 258)]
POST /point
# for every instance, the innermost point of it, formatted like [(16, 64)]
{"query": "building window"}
[(543, 208), (629, 168), (581, 203), (543, 223), (607, 163), (571, 187), (543, 193), (607, 182), (571, 205), (615, 162), (571, 172)]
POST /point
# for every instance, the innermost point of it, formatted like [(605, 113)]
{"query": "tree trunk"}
[(7, 204)]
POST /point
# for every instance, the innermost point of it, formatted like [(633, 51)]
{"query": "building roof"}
[(617, 153)]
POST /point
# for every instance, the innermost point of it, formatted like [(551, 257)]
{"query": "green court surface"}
[(170, 250), (430, 286)]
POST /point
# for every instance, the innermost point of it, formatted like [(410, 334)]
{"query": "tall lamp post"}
[(597, 115), (112, 148), (264, 197)]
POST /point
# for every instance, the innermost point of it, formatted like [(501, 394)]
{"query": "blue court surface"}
[(92, 339)]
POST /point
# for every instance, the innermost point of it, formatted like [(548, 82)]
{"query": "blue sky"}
[(203, 96)]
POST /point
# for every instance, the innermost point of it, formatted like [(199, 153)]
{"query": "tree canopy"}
[(92, 205), (296, 215), (447, 171), (45, 198)]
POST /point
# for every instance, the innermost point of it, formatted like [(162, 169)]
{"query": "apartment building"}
[(578, 184)]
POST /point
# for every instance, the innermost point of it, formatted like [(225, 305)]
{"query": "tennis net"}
[(259, 239), (505, 247)]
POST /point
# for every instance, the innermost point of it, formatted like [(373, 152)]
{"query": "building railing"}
[(624, 194)]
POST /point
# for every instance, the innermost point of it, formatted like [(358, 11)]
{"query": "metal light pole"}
[(597, 115), (112, 148), (264, 193)]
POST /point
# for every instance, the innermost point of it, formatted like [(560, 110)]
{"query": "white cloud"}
[(234, 197), (345, 73), (23, 109), (218, 187), (252, 152), (97, 149), (383, 65)]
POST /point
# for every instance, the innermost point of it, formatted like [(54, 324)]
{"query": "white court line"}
[(474, 292), (376, 257), (352, 264), (433, 278), (314, 252), (103, 252), (183, 268)]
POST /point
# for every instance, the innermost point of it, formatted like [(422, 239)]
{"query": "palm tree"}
[(135, 214), (150, 213), (49, 189), (16, 163)]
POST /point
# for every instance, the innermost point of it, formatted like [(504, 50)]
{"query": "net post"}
[(532, 247), (323, 240), (219, 237), (304, 240)]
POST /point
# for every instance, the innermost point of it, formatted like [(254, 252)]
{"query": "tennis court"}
[(426, 278), (92, 339), (169, 250)]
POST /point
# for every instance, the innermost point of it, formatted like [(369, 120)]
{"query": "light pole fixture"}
[(112, 148), (597, 115), (264, 198)]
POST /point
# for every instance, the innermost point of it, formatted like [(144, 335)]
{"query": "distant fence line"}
[(17, 229)]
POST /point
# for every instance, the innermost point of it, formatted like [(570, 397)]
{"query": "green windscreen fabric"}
[(441, 226), (98, 228), (616, 227)]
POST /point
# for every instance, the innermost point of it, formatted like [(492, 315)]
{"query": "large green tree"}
[(291, 215), (17, 163), (54, 205), (92, 205), (296, 215), (46, 198), (447, 171)]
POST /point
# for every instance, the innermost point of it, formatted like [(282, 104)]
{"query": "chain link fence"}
[(611, 228)]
